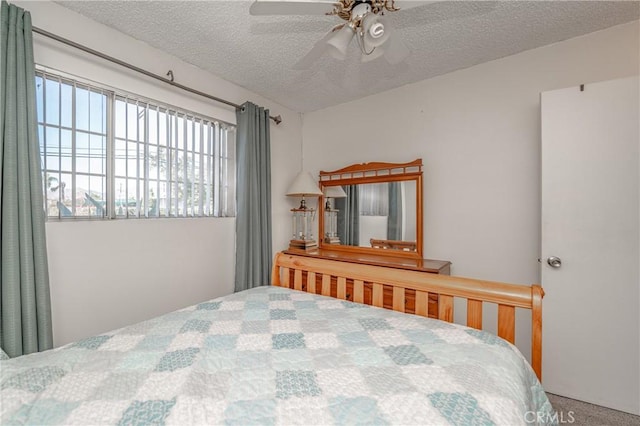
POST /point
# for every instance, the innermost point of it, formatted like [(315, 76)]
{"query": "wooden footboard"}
[(366, 284)]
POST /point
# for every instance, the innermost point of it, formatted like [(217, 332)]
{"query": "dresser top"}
[(424, 265)]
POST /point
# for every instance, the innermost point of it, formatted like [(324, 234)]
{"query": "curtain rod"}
[(277, 119)]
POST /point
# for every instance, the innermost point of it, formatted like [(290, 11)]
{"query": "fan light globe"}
[(339, 42), (375, 31)]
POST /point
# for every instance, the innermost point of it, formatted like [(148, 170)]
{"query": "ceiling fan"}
[(365, 21)]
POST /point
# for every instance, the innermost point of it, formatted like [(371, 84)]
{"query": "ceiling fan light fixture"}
[(363, 19), (339, 42)]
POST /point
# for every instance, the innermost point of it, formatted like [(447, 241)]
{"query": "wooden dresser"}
[(427, 266)]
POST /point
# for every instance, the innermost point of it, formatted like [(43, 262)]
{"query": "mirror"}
[(373, 208)]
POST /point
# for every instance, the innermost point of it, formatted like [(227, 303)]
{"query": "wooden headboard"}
[(366, 284)]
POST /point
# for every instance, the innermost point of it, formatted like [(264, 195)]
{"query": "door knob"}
[(554, 262)]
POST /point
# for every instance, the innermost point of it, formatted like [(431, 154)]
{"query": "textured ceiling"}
[(257, 52)]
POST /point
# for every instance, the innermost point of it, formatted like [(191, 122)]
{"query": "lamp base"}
[(332, 240), (306, 245)]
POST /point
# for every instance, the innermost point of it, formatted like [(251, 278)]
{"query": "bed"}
[(283, 354)]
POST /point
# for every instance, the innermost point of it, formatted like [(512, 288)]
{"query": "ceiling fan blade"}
[(316, 51), (395, 51), (408, 4), (292, 7)]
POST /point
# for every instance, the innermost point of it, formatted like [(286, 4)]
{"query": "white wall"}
[(107, 274), (372, 227), (478, 133)]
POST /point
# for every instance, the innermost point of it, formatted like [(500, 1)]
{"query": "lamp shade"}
[(303, 185), (334, 192)]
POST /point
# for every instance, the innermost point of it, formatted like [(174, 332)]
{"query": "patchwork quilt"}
[(277, 356)]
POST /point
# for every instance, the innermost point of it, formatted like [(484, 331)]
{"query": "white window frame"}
[(217, 162)]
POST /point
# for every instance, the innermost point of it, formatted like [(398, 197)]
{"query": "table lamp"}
[(304, 185)]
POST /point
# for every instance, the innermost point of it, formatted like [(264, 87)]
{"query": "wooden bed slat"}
[(326, 285), (474, 314), (445, 288), (342, 288), (358, 291), (378, 295), (422, 303), (398, 299), (468, 288), (507, 323), (445, 308), (311, 282), (297, 279)]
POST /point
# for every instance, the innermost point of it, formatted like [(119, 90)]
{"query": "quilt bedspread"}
[(277, 356)]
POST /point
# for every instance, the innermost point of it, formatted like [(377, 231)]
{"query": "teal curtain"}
[(253, 193), (25, 325), (394, 222), (349, 216)]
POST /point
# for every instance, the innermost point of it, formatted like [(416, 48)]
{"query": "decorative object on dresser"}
[(304, 185), (383, 202), (331, 214)]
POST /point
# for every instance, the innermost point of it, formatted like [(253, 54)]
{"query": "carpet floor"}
[(585, 414)]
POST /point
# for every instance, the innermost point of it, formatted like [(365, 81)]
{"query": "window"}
[(108, 154)]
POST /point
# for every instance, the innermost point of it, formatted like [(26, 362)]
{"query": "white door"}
[(591, 222)]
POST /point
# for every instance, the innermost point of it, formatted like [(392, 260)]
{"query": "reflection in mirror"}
[(379, 215), (331, 213), (374, 207)]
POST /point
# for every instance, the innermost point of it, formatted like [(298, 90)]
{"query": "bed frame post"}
[(537, 293), (275, 271)]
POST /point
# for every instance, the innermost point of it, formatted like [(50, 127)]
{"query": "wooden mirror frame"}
[(375, 172)]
